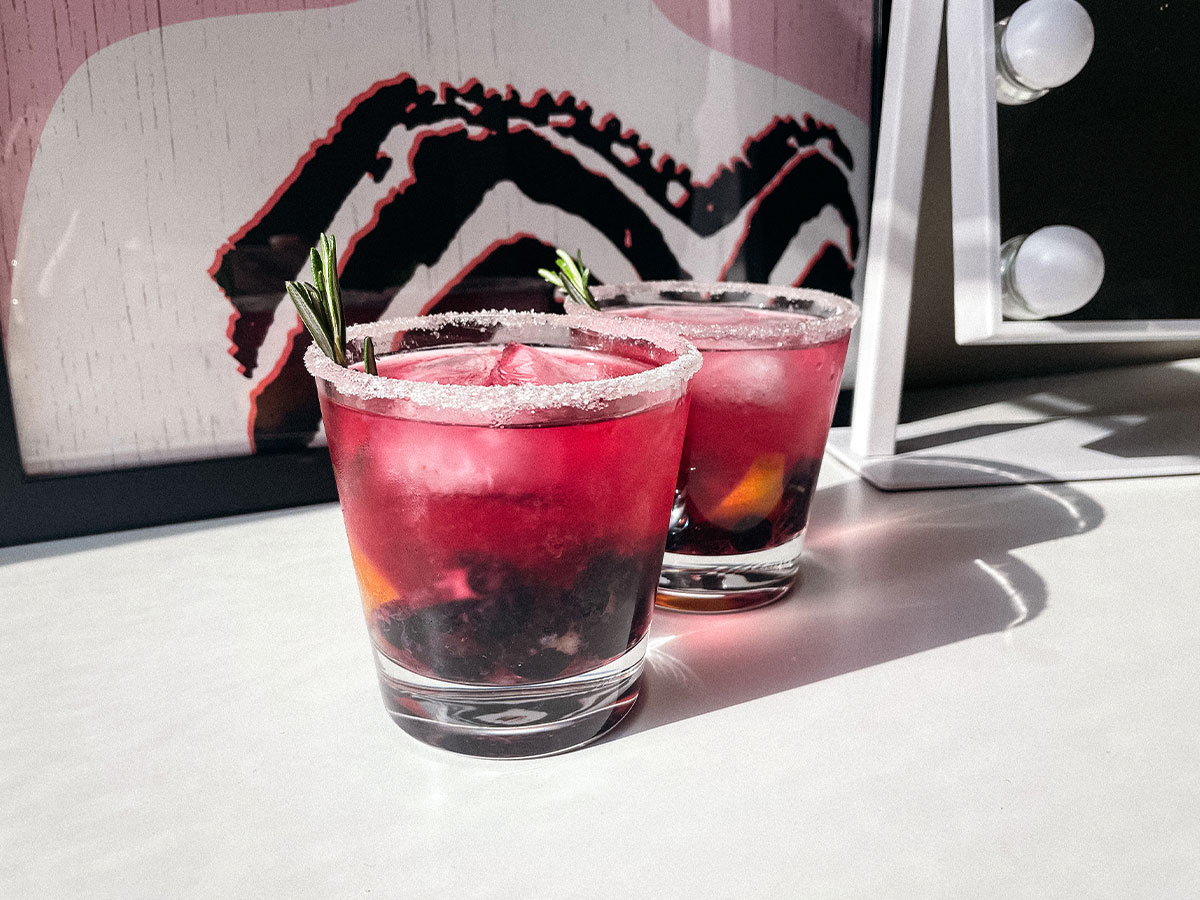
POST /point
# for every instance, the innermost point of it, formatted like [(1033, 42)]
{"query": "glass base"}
[(728, 583), (512, 721)]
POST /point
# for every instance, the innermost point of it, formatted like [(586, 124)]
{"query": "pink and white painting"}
[(167, 164)]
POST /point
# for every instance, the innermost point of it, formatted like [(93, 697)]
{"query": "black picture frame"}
[(45, 507)]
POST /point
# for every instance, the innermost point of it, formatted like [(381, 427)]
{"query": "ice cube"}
[(746, 378), (470, 366), (512, 364), (522, 364), (433, 459)]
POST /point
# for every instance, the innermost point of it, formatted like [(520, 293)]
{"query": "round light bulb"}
[(1048, 42), (1052, 272), (1043, 45)]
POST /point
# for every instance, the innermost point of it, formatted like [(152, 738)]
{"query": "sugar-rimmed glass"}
[(760, 414), (507, 530)]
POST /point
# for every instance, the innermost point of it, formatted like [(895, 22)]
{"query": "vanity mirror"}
[(1074, 189)]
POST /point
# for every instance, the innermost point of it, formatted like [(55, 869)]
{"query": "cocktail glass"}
[(506, 482), (760, 415)]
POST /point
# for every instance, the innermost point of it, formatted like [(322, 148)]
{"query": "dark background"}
[(1114, 152)]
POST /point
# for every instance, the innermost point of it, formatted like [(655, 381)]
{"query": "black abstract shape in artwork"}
[(807, 187), (830, 271), (467, 141), (450, 178), (492, 282)]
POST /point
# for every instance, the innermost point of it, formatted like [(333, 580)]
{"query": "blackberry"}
[(607, 637), (433, 624), (438, 638), (753, 537), (389, 622), (485, 577), (509, 609), (542, 635), (611, 635), (797, 497), (607, 578), (613, 599)]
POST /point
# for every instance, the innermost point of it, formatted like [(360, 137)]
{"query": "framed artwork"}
[(167, 166)]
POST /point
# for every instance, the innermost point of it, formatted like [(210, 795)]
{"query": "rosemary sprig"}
[(572, 277), (320, 303), (320, 306)]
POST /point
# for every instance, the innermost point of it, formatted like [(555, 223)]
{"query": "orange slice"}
[(755, 495), (372, 584)]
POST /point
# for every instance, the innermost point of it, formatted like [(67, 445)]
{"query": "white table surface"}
[(987, 692)]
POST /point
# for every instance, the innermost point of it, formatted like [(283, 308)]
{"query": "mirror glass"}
[(1114, 152)]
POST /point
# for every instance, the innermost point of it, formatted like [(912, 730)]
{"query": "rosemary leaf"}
[(551, 277), (333, 290), (369, 356), (313, 297), (567, 264), (308, 315), (314, 262), (322, 311)]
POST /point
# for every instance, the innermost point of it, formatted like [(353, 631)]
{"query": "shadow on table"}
[(1148, 410), (886, 575)]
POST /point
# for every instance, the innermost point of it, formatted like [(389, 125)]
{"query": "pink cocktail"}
[(760, 413), (506, 482)]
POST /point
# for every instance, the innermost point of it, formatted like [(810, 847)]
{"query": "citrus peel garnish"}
[(372, 584), (755, 495)]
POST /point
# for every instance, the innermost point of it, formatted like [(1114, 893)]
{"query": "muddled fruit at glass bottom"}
[(770, 525), (518, 627)]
